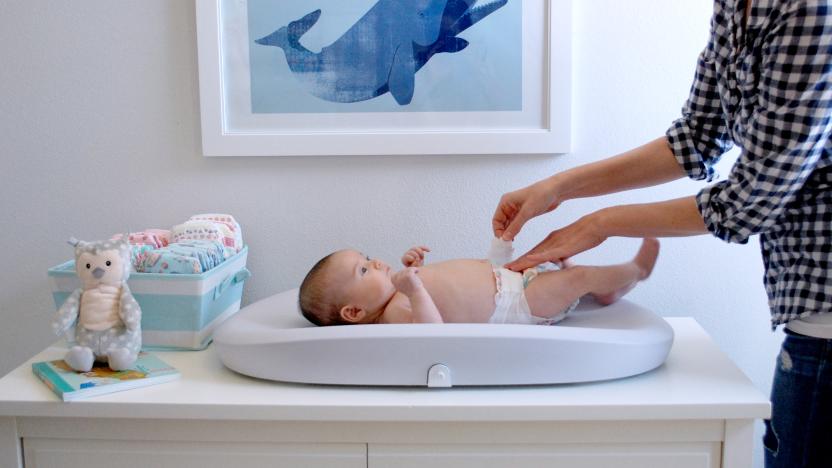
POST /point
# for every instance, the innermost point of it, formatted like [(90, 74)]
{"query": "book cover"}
[(72, 385)]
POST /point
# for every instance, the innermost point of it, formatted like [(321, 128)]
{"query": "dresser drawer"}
[(70, 453), (595, 455)]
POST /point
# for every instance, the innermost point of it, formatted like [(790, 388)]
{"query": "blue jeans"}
[(798, 434)]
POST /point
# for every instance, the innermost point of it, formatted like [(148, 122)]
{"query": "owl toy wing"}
[(68, 313), (129, 310)]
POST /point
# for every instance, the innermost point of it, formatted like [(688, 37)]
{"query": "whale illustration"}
[(382, 51)]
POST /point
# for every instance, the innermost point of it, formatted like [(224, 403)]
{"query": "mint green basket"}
[(179, 312)]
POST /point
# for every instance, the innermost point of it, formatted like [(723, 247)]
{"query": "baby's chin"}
[(389, 296)]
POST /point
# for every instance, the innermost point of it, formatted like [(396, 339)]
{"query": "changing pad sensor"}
[(270, 339)]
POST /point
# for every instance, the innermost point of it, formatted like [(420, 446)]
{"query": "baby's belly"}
[(463, 290)]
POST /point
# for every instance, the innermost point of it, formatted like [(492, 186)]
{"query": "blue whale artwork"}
[(382, 51)]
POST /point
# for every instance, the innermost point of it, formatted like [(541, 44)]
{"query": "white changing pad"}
[(270, 339)]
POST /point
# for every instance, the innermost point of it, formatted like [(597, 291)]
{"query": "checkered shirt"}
[(767, 87)]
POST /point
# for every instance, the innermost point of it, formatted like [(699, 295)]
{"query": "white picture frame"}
[(542, 126)]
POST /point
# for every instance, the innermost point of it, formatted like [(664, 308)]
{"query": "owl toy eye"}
[(88, 266), (109, 263)]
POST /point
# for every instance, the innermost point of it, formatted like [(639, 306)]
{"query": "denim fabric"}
[(798, 433)]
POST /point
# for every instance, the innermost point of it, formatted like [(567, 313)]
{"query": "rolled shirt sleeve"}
[(700, 137), (784, 137)]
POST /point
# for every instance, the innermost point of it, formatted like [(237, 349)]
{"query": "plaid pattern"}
[(767, 87)]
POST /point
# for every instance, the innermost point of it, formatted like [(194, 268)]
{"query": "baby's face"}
[(365, 282)]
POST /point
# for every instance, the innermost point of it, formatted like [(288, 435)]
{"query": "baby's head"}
[(344, 288)]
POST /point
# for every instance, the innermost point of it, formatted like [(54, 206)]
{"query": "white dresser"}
[(695, 411)]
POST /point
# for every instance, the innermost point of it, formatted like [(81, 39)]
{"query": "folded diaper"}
[(195, 230), (234, 235), (162, 261), (187, 257), (152, 237), (162, 235), (137, 253), (201, 243), (209, 253), (202, 230)]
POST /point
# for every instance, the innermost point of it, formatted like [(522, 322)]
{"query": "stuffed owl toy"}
[(106, 317)]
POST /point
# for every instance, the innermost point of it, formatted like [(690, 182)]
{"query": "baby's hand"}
[(415, 257), (407, 281)]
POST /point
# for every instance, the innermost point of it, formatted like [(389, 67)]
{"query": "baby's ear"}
[(352, 314)]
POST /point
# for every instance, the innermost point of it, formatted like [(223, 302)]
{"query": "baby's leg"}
[(552, 292)]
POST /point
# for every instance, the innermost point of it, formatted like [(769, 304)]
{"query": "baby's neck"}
[(378, 316)]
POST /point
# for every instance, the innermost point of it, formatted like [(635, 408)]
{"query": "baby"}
[(348, 287)]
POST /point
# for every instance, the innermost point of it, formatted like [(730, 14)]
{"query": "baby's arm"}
[(421, 304), (415, 256)]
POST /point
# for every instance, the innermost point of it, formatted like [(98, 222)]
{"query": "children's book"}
[(72, 385)]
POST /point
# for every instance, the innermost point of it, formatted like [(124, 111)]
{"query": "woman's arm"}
[(645, 166), (672, 218), (787, 138), (650, 164)]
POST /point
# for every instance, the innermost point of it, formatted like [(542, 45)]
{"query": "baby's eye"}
[(363, 270)]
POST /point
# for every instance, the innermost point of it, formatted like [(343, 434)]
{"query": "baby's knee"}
[(574, 276), (553, 291)]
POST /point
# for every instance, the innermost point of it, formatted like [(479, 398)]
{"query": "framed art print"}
[(344, 77)]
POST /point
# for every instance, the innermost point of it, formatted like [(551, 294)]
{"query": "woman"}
[(764, 83)]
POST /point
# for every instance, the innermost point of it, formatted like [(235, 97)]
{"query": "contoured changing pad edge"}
[(269, 339)]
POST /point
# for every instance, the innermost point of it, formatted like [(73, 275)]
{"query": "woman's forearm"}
[(647, 165), (671, 218)]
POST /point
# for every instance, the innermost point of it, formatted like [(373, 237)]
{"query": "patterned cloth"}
[(767, 87), (236, 238), (155, 238), (186, 257)]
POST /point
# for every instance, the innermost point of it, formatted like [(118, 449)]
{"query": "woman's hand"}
[(563, 243), (415, 256), (515, 208)]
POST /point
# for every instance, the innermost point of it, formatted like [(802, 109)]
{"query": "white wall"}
[(100, 118)]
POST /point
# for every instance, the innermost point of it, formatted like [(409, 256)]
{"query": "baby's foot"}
[(645, 259)]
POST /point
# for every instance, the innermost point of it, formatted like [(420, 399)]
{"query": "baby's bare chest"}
[(463, 290)]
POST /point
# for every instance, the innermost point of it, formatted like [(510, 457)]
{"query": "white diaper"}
[(510, 301)]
